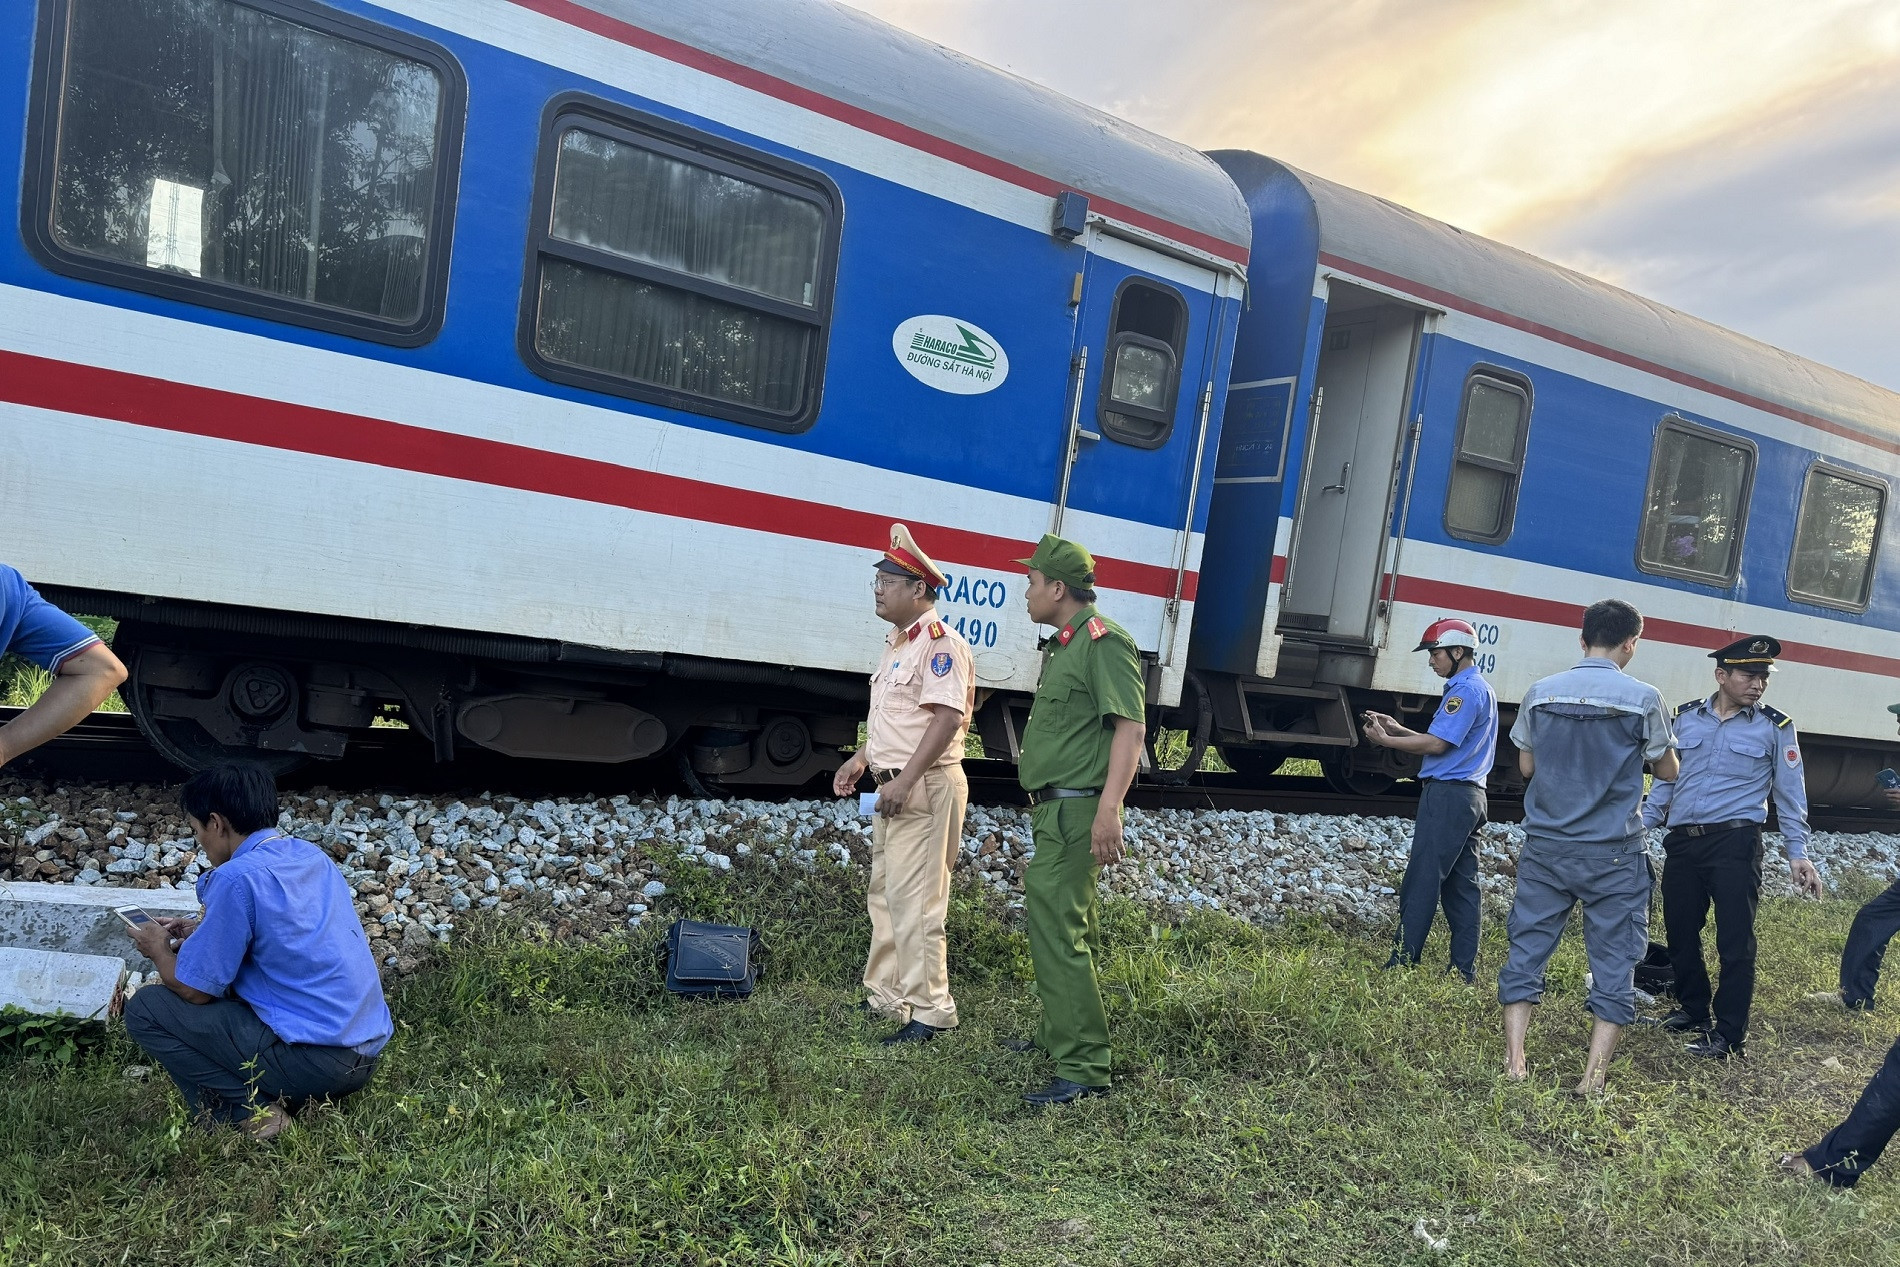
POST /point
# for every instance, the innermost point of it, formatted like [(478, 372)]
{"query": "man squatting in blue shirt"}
[(1458, 748), (1582, 737), (84, 670), (271, 999), (1735, 751)]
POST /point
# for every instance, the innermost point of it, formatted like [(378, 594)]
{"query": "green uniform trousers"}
[(1064, 925)]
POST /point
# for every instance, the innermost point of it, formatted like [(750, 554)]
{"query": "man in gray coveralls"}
[(1582, 737)]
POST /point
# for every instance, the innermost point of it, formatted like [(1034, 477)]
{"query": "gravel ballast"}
[(419, 865)]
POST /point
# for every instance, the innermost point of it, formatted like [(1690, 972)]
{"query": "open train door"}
[(1362, 391)]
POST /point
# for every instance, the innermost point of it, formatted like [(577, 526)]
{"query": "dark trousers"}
[(1847, 1150), (227, 1062), (1443, 870), (1874, 926), (1723, 870)]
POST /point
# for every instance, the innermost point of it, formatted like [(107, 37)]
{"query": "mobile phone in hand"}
[(133, 916), (1888, 779)]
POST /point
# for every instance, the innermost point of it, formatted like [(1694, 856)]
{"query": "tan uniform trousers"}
[(907, 971)]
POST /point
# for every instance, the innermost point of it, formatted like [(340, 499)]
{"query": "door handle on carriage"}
[(1345, 474)]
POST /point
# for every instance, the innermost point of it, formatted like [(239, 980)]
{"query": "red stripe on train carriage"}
[(68, 387), (1477, 600)]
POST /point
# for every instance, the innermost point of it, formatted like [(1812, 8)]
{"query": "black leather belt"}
[(1061, 793), (884, 776), (1709, 829)]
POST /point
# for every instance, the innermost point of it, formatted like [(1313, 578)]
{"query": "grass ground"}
[(1278, 1102), (21, 684)]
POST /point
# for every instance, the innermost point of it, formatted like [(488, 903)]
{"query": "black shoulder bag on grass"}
[(710, 961)]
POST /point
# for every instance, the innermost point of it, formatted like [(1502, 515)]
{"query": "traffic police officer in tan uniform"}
[(922, 696), (1736, 752), (1079, 753)]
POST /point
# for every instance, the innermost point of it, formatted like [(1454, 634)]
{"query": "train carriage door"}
[(1141, 361), (1364, 383)]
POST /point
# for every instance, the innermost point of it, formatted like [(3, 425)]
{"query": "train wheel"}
[(1254, 765), (252, 693), (1199, 718), (706, 787), (1344, 779)]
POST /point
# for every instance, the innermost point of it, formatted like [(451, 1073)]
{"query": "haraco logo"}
[(950, 355), (972, 351)]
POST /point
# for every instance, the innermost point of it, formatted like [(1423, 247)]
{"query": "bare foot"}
[(268, 1122), (1516, 1073), (1590, 1088)]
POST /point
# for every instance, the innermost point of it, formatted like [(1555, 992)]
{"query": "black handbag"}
[(1655, 975), (710, 961)]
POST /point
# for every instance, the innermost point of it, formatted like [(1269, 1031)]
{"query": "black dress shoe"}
[(1678, 1022), (1062, 1091), (1715, 1047), (914, 1032)]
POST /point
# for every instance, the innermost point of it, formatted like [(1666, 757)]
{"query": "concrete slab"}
[(78, 919), (48, 983)]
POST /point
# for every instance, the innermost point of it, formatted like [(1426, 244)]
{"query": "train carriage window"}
[(675, 269), (1142, 371), (1481, 501), (257, 156), (1696, 504), (1835, 538)]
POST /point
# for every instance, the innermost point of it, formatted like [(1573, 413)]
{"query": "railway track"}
[(108, 748)]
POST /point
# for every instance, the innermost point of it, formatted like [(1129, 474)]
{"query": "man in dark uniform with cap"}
[(1736, 751), (1079, 753)]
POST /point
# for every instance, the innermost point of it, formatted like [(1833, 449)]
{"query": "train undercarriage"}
[(207, 683)]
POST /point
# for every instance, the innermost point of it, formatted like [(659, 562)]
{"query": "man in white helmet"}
[(1458, 748)]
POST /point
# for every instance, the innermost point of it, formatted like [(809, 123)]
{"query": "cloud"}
[(1786, 229), (1729, 157)]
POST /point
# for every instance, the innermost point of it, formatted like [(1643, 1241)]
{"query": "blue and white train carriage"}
[(1426, 423), (548, 370)]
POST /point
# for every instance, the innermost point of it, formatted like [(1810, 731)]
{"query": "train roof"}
[(1420, 255), (851, 58)]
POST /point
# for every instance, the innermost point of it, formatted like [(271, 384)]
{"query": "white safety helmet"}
[(1448, 631)]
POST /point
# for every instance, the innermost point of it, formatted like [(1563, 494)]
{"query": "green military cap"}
[(1063, 561)]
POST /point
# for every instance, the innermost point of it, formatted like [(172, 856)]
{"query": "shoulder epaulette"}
[(1775, 715), (1683, 708), (1096, 628), (936, 629)]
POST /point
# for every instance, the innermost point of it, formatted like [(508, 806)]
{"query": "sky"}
[(1736, 159)]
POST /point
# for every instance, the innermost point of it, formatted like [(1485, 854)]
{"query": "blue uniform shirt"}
[(33, 628), (1467, 719), (1729, 769), (1591, 728), (280, 932)]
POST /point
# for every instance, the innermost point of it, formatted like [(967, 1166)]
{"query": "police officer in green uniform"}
[(1079, 753)]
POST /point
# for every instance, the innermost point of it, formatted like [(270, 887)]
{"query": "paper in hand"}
[(867, 804)]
